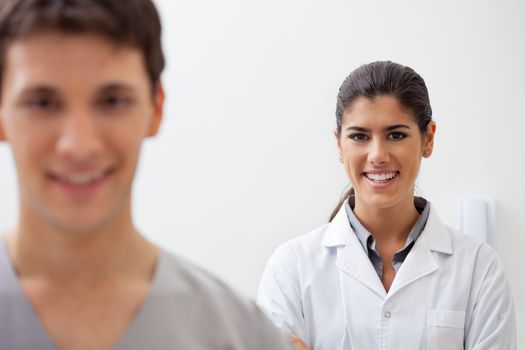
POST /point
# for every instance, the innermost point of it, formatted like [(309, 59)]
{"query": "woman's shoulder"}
[(469, 245), (469, 249), (459, 241), (307, 247)]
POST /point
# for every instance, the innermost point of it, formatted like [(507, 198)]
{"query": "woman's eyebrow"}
[(397, 126), (388, 128), (357, 128)]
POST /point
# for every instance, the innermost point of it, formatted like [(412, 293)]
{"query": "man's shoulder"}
[(182, 277), (197, 301)]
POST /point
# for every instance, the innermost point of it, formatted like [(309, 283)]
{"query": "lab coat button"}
[(388, 314)]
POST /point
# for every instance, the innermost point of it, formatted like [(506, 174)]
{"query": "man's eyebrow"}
[(40, 90), (117, 87)]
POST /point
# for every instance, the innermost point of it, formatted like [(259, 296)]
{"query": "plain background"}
[(246, 158)]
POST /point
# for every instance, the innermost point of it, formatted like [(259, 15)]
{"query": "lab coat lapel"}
[(351, 257), (353, 261), (421, 260)]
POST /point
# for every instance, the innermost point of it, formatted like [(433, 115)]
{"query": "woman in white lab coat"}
[(385, 272)]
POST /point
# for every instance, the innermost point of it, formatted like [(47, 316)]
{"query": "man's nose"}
[(80, 139)]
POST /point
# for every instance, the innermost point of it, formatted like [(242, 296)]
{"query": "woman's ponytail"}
[(344, 198)]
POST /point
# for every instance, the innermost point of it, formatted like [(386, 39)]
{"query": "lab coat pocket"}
[(445, 330)]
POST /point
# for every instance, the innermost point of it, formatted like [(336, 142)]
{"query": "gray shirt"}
[(369, 244), (186, 309)]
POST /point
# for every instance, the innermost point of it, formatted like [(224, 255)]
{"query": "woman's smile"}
[(381, 179)]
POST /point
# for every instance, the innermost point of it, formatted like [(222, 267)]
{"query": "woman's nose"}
[(378, 153)]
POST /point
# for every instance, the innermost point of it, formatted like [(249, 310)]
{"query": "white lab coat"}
[(450, 293)]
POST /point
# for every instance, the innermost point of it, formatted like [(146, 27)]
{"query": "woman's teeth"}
[(381, 177)]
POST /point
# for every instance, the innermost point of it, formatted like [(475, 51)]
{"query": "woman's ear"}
[(338, 143), (428, 145), (158, 110)]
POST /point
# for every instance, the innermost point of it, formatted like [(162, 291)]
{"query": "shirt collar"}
[(436, 236), (365, 237)]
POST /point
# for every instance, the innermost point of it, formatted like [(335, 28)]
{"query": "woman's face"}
[(381, 146)]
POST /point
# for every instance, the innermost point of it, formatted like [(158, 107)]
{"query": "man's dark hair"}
[(133, 23)]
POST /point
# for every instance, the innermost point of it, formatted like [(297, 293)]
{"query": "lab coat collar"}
[(352, 258), (435, 236), (421, 261), (338, 231), (354, 261)]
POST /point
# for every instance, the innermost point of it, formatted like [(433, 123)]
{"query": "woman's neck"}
[(392, 224)]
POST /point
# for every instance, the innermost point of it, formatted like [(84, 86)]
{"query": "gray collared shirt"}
[(369, 244)]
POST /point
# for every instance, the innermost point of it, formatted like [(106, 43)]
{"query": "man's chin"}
[(80, 223), (80, 228), (75, 219)]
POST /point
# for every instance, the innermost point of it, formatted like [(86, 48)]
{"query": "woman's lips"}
[(381, 179)]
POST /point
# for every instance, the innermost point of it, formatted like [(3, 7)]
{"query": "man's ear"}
[(158, 110), (2, 132)]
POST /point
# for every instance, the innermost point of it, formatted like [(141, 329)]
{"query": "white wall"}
[(246, 158)]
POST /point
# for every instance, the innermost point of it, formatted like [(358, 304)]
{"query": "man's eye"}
[(42, 103), (358, 137), (114, 101), (396, 136)]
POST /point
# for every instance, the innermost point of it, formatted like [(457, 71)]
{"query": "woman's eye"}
[(358, 137), (397, 136)]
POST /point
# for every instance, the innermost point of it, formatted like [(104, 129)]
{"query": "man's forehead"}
[(62, 45), (55, 58)]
